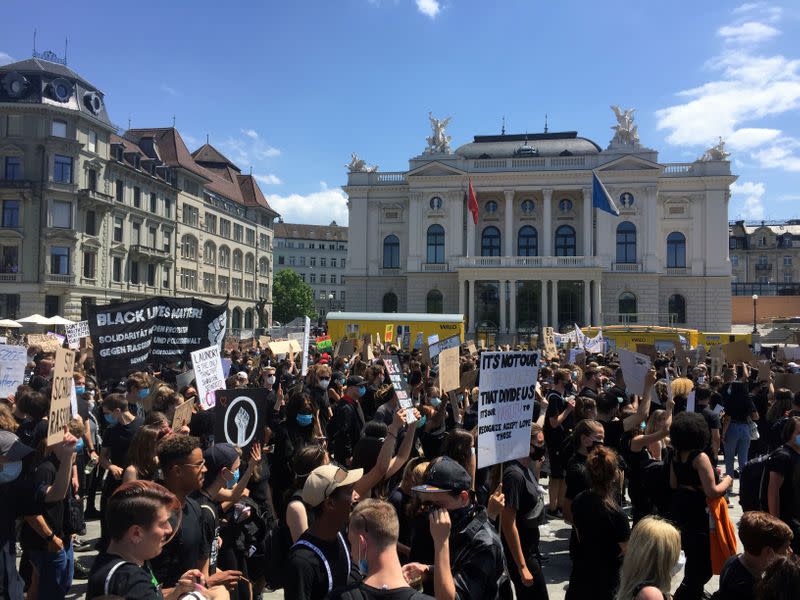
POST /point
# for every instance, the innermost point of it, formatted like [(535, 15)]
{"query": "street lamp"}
[(755, 301)]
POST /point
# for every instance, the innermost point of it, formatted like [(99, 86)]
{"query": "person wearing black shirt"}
[(783, 491), (702, 397), (608, 408), (738, 407), (344, 429), (591, 384), (586, 436), (558, 425), (319, 562)]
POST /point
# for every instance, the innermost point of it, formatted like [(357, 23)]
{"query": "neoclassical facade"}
[(540, 254)]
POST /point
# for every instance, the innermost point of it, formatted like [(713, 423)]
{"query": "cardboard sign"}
[(76, 332), (418, 341), (788, 380), (13, 360), (647, 350), (505, 405), (634, 369), (388, 335), (239, 418), (263, 340), (208, 374), (347, 347), (395, 373), (185, 378), (47, 342), (435, 349), (284, 347), (60, 409), (471, 348), (181, 416), (366, 348), (468, 379), (550, 350), (449, 366), (736, 352)]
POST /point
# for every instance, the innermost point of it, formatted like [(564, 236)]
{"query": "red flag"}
[(472, 203)]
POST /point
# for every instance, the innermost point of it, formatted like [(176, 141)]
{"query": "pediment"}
[(11, 149), (93, 163), (630, 163), (435, 169)]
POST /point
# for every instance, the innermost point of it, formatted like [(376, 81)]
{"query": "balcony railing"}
[(149, 251), (10, 277), (675, 271), (626, 267), (435, 267), (763, 267), (61, 279), (536, 262)]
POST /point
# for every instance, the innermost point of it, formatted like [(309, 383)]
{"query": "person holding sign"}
[(558, 425)]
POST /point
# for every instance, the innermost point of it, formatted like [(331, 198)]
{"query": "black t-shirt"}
[(362, 591), (735, 581), (588, 392), (53, 512), (786, 462), (517, 496), (210, 525), (19, 498), (555, 406), (306, 575), (118, 439), (577, 478), (129, 581), (737, 402), (187, 549), (613, 431), (202, 426)]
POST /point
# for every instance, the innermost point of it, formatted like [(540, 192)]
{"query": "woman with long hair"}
[(650, 559), (305, 460), (142, 454), (601, 530)]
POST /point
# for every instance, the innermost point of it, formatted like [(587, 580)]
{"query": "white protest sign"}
[(690, 402), (306, 335), (184, 379), (12, 369), (75, 332), (73, 400), (432, 339), (208, 374), (634, 369), (505, 405)]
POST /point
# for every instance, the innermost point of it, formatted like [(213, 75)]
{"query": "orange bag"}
[(722, 536)]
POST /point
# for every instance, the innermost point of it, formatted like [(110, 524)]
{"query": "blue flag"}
[(601, 198)]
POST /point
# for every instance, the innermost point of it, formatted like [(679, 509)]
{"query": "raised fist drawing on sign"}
[(241, 420)]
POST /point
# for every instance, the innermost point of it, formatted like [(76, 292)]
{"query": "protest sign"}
[(436, 348), (471, 349), (284, 347), (690, 402), (788, 380), (395, 373), (789, 353), (60, 408), (239, 416), (73, 400), (366, 348), (263, 340), (736, 352), (449, 366), (505, 405), (324, 343), (182, 415), (347, 348), (647, 350), (208, 374), (550, 350), (12, 369), (185, 378), (468, 378), (245, 334), (46, 342), (388, 335), (306, 341), (432, 339), (634, 369), (75, 332), (226, 366), (131, 335), (595, 345), (418, 341)]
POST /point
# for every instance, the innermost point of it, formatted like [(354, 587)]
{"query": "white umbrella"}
[(57, 320), (36, 319), (9, 323)]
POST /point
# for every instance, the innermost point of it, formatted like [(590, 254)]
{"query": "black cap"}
[(355, 380), (445, 475), (217, 457)]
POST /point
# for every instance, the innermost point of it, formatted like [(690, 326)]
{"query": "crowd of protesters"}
[(348, 495)]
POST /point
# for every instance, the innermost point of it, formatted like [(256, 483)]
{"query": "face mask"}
[(537, 453), (324, 383), (458, 515), (11, 471), (271, 380), (596, 443), (79, 445), (362, 390), (304, 420), (342, 382), (422, 421), (435, 402), (144, 393), (568, 387), (797, 440), (701, 379), (607, 386), (110, 420), (80, 390), (235, 479)]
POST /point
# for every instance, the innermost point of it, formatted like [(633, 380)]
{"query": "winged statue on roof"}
[(439, 141), (625, 131)]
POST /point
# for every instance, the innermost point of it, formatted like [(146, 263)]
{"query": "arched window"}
[(565, 241), (236, 318), (263, 266), (249, 263), (237, 260), (434, 303), (676, 306), (224, 257), (248, 319), (390, 302), (626, 242), (391, 252), (209, 253), (436, 244), (527, 242), (189, 247), (676, 250), (627, 308), (490, 242)]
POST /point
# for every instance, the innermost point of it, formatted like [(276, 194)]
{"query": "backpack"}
[(277, 544), (753, 483)]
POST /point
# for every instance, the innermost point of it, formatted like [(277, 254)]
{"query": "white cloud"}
[(316, 208), (269, 179), (251, 133), (429, 8), (764, 10), (249, 150), (6, 59), (781, 155), (169, 90), (751, 195), (751, 137), (749, 32)]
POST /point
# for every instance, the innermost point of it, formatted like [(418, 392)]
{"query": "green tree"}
[(291, 297)]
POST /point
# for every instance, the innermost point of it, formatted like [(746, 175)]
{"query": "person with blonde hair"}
[(651, 559)]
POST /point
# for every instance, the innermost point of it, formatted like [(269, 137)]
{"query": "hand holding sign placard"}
[(395, 373), (60, 409), (634, 369), (239, 416), (209, 374)]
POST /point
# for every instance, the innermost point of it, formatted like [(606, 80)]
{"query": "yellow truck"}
[(408, 325), (663, 338), (715, 339)]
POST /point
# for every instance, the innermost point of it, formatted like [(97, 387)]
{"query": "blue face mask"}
[(362, 566), (11, 471), (144, 393), (235, 479), (422, 421), (362, 390), (304, 420), (435, 402), (797, 440), (80, 390), (79, 445), (110, 420)]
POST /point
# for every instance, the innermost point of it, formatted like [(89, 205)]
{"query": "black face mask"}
[(537, 453)]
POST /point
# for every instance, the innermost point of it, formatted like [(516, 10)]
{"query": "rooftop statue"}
[(626, 131), (716, 152), (357, 165), (439, 141)]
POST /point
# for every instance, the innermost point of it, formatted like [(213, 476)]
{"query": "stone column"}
[(471, 304), (654, 244), (598, 303), (509, 227), (503, 286), (554, 304), (545, 318), (415, 232), (462, 297), (546, 235), (587, 222), (587, 302), (512, 317)]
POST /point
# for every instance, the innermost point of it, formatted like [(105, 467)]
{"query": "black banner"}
[(131, 335)]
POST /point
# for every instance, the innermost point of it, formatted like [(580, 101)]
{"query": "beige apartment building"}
[(765, 257)]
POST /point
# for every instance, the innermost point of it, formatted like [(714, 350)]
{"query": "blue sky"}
[(292, 88)]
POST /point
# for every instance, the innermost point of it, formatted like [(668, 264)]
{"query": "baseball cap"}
[(242, 375), (217, 457), (445, 475), (355, 380), (325, 480), (11, 448)]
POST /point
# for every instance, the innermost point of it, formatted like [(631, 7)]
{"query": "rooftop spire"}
[(545, 122), (503, 128)]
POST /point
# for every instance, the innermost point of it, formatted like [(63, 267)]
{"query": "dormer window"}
[(118, 153), (136, 161)]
